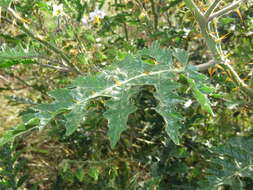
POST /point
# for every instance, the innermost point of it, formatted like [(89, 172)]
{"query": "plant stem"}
[(212, 8), (213, 45), (226, 9), (205, 66), (63, 69), (125, 31), (154, 11)]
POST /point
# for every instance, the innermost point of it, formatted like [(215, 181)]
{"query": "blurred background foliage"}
[(145, 158)]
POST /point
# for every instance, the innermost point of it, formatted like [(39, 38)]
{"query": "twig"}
[(64, 69), (25, 28), (226, 9), (155, 14), (3, 78), (212, 7), (25, 83), (213, 45), (87, 161), (205, 66)]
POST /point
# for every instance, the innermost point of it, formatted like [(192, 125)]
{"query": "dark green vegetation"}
[(127, 98)]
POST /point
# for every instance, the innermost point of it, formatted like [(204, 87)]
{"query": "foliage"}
[(115, 96), (10, 167), (232, 165), (9, 56), (120, 85)]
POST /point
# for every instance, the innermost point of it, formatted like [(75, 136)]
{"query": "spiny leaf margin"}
[(115, 84)]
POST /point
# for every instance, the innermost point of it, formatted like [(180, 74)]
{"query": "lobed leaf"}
[(232, 162), (152, 66), (12, 56), (199, 88), (181, 55), (119, 108)]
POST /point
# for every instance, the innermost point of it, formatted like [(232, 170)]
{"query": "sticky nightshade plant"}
[(119, 84)]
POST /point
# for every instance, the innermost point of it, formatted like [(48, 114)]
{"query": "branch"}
[(212, 8), (25, 28), (197, 12), (63, 69), (213, 45), (205, 66), (25, 83), (154, 11), (226, 9)]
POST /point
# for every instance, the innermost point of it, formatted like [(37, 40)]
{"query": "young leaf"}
[(200, 97), (197, 82)]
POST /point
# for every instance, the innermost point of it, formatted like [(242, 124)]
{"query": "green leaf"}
[(80, 174), (13, 56), (74, 118), (230, 163), (197, 84), (94, 173), (169, 99), (117, 85), (181, 55), (117, 114), (46, 112), (200, 97), (5, 3)]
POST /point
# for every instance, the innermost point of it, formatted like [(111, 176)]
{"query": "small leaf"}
[(200, 97), (181, 55), (94, 173), (11, 134), (80, 174)]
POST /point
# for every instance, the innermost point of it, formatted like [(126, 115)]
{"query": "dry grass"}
[(9, 113)]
